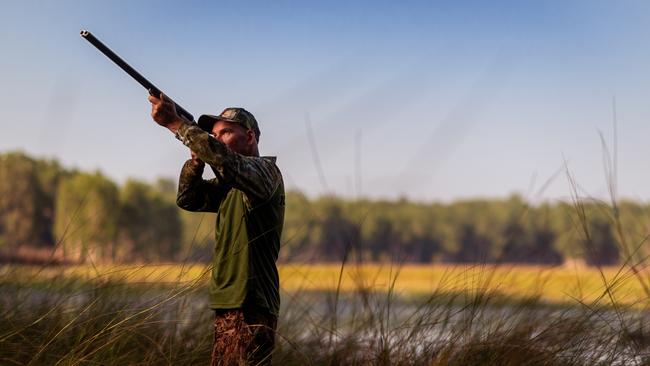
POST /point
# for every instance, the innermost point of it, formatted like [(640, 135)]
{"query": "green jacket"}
[(248, 197)]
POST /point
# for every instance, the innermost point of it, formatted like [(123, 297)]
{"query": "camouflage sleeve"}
[(257, 177), (197, 194)]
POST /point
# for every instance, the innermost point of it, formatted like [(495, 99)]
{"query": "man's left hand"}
[(163, 111)]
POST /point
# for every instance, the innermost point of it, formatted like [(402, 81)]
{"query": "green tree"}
[(86, 216), (23, 204), (149, 221), (601, 246), (529, 238), (299, 232)]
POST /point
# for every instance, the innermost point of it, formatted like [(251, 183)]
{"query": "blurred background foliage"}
[(66, 215)]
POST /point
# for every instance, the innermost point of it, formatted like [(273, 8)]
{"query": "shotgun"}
[(153, 90)]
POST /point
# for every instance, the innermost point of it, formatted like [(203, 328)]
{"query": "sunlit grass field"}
[(332, 314), (552, 285)]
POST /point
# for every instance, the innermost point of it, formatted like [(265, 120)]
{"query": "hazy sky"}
[(428, 100)]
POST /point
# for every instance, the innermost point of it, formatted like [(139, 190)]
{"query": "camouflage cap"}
[(234, 115)]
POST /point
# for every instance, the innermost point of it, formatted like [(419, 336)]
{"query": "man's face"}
[(235, 136)]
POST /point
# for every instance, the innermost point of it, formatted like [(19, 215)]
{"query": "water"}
[(369, 321)]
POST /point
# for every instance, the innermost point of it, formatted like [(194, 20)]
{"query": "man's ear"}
[(250, 137)]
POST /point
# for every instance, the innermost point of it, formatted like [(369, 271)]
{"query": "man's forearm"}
[(255, 176), (210, 150), (189, 194), (197, 194)]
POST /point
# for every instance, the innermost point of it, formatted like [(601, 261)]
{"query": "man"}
[(248, 197)]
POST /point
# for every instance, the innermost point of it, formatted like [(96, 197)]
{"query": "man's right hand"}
[(163, 111), (196, 161)]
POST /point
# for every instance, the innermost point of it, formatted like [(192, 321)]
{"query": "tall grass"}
[(66, 320), (142, 316)]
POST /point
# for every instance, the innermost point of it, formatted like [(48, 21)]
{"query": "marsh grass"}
[(473, 327), (142, 316), (157, 315), (74, 321)]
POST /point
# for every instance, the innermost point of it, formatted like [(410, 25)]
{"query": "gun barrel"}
[(129, 70)]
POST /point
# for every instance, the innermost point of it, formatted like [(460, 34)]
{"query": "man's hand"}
[(163, 111), (196, 161)]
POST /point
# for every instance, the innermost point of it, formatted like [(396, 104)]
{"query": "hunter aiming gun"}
[(153, 90)]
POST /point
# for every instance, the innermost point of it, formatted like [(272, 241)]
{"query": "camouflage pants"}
[(243, 337)]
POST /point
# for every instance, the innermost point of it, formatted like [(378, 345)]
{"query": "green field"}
[(332, 314)]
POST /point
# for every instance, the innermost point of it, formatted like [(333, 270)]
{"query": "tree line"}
[(84, 216)]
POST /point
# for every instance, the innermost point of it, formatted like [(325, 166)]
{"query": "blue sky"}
[(428, 100)]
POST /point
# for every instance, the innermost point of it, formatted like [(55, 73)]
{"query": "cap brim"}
[(206, 121)]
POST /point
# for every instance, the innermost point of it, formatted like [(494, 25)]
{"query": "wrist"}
[(175, 125), (197, 163), (195, 169)]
